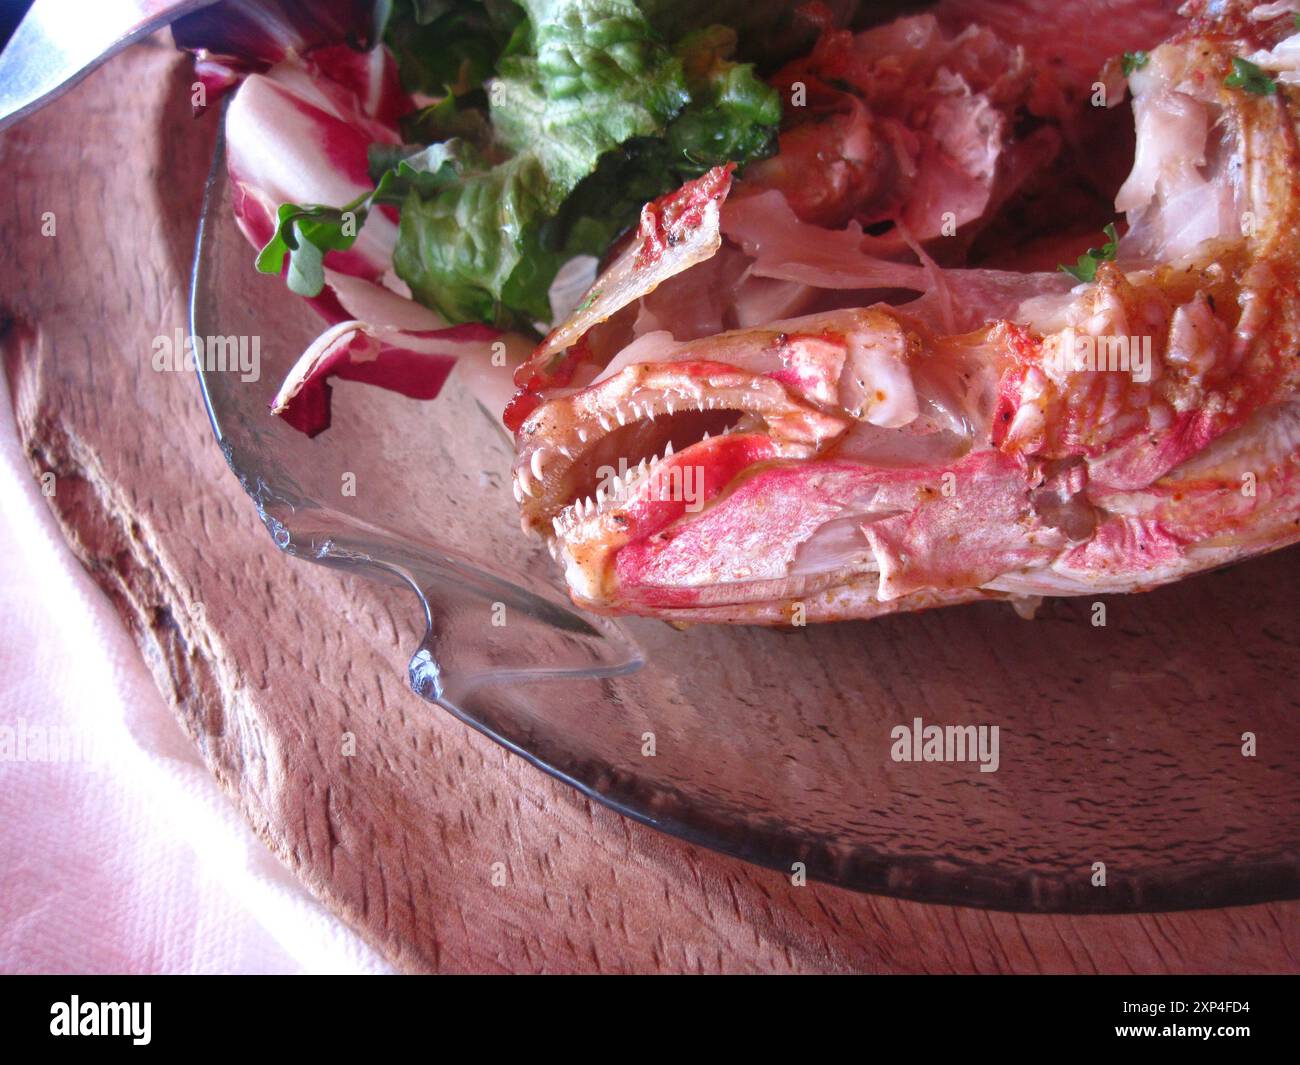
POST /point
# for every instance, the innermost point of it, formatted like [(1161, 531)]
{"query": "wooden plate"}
[(439, 847)]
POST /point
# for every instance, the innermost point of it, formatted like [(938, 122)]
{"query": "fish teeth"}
[(600, 497), (706, 436), (604, 423), (668, 403), (519, 492), (622, 419), (557, 525), (536, 464), (521, 479), (668, 449), (582, 435)]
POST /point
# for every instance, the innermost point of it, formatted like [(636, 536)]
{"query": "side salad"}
[(541, 128)]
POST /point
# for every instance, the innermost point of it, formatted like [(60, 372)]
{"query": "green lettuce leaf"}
[(486, 250), (604, 117), (601, 76), (733, 114), (444, 46), (461, 249)]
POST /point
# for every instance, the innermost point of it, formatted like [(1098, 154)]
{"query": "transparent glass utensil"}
[(1120, 747)]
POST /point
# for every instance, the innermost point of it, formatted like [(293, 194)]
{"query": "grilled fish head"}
[(1000, 436)]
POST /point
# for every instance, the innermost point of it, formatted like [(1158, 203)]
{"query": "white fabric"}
[(130, 859)]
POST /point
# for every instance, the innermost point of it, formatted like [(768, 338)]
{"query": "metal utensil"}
[(59, 42)]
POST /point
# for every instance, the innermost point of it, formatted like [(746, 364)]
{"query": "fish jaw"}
[(582, 454)]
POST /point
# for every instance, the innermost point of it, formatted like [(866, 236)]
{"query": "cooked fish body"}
[(1001, 436)]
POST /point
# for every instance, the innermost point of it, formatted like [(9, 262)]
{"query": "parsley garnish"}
[(1132, 61), (1249, 78), (1086, 268)]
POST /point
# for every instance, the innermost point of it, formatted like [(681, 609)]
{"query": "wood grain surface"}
[(267, 661)]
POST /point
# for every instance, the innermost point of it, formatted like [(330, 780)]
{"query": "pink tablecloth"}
[(118, 852)]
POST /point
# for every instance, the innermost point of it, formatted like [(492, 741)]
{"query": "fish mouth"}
[(655, 434)]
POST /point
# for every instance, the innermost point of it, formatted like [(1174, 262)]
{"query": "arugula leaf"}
[(1132, 61), (305, 233), (426, 170), (1248, 77), (307, 269), (1086, 267)]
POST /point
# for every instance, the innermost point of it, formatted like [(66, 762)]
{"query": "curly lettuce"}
[(563, 118)]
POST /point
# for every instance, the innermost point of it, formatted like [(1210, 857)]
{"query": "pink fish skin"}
[(874, 452)]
